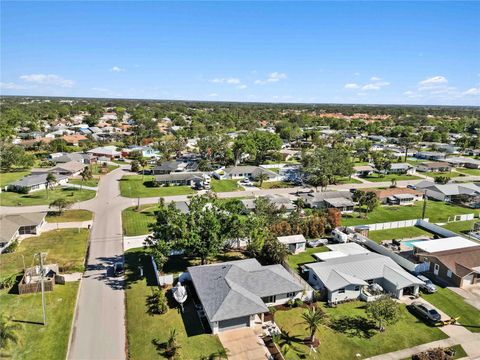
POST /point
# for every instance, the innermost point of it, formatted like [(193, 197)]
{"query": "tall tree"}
[(86, 174), (384, 310), (61, 204), (51, 179), (313, 318)]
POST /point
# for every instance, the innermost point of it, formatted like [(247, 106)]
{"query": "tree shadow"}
[(354, 326)]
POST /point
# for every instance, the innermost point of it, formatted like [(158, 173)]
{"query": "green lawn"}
[(347, 180), (472, 172), (8, 198), (454, 305), (354, 334), (450, 174), (304, 257), (69, 216), (9, 177), (225, 185), (65, 247), (274, 185), (437, 211), (91, 182), (137, 222), (97, 169), (134, 186), (180, 263), (390, 177), (144, 330), (40, 342), (461, 226), (401, 233)]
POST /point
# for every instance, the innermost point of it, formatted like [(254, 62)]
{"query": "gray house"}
[(237, 293), (348, 277), (294, 243), (35, 181), (180, 178), (250, 172), (14, 225), (341, 200)]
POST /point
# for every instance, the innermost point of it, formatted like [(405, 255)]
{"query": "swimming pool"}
[(409, 243)]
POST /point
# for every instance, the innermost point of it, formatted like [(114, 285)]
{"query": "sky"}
[(311, 52)]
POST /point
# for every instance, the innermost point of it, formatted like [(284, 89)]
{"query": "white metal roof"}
[(322, 256), (292, 239), (349, 248), (451, 243)]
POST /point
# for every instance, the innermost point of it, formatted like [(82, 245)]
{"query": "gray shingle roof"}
[(35, 179), (339, 272), (9, 224), (234, 289)]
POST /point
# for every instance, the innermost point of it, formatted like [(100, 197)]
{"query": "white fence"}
[(463, 217), (155, 270), (390, 225)]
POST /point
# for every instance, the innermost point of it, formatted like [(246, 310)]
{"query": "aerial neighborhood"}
[(255, 244)]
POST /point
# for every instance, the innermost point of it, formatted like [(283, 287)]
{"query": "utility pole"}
[(43, 289), (424, 204)]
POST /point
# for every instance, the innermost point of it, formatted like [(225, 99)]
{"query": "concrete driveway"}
[(243, 344), (470, 293)]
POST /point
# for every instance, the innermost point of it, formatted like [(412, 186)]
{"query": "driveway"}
[(470, 293), (243, 344)]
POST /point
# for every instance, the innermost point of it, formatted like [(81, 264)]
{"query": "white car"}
[(246, 182)]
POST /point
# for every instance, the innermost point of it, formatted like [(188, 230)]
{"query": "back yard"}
[(389, 177), (136, 222), (294, 261), (65, 247), (134, 186), (437, 211), (147, 334), (349, 332), (401, 233)]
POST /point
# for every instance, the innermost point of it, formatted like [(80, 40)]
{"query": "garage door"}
[(233, 323)]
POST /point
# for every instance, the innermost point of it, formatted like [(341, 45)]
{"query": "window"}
[(269, 299), (314, 277), (357, 288), (341, 291), (291, 295), (449, 273)]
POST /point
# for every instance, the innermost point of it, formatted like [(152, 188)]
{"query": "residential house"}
[(363, 170), (75, 139), (454, 260), (35, 182), (464, 162), (437, 166), (398, 196), (180, 178), (172, 166), (71, 168), (341, 200), (109, 152), (247, 171), (401, 168), (348, 277), (14, 225), (145, 151), (235, 294), (340, 250), (294, 243), (67, 157), (467, 194), (430, 155)]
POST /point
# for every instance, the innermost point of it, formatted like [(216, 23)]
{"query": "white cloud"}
[(375, 78), (375, 85), (351, 86), (12, 86), (272, 78), (472, 92), (117, 69), (242, 87), (230, 80), (356, 74), (434, 81), (213, 95), (49, 80)]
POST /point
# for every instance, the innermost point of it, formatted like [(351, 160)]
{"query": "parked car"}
[(245, 181), (317, 243), (429, 287), (118, 268), (425, 312), (413, 187)]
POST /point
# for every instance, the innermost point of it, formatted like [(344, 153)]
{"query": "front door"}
[(436, 269)]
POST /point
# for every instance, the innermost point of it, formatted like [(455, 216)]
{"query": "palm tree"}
[(262, 177), (313, 318), (51, 179), (86, 174), (172, 344), (143, 163), (8, 332)]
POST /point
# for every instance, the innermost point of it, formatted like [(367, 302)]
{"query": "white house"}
[(294, 243)]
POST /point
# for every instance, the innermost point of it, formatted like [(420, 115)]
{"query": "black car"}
[(425, 312), (118, 268)]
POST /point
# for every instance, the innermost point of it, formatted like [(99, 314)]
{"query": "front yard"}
[(389, 177), (146, 334), (400, 233), (349, 332), (133, 186), (225, 185), (93, 182), (69, 216), (455, 306), (38, 342), (450, 174), (9, 177), (65, 247), (136, 222), (98, 169), (469, 172), (437, 211), (8, 198), (273, 185)]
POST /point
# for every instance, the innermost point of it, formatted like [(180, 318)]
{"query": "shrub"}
[(157, 303), (290, 303), (7, 281), (298, 302), (11, 248)]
